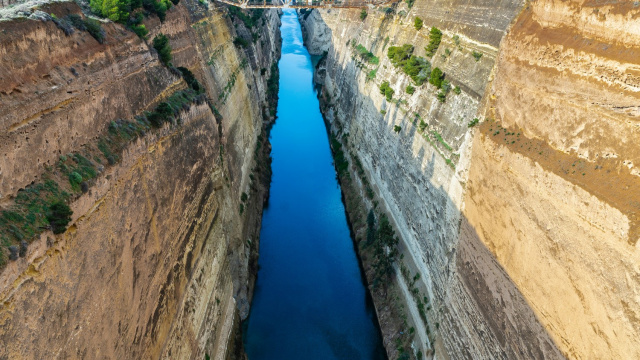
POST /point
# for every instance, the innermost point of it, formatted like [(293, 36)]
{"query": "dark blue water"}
[(310, 300)]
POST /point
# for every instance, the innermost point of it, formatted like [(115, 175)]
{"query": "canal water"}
[(310, 301)]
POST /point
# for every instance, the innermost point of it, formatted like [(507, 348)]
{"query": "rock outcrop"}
[(159, 259), (521, 230)]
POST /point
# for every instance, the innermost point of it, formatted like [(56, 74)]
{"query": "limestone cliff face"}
[(522, 228), (157, 260), (559, 208)]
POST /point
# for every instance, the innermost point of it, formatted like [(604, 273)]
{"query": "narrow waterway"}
[(310, 301)]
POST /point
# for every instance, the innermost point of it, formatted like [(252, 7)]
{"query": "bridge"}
[(305, 4)]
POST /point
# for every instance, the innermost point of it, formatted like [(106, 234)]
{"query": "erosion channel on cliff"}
[(310, 301)]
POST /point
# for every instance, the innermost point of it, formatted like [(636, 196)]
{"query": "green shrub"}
[(59, 216), (417, 23), (410, 89), (386, 90), (399, 54), (473, 122), (410, 3), (441, 140), (476, 55), (140, 30), (442, 96), (383, 111), (239, 41), (366, 55), (422, 126), (445, 86), (165, 110), (75, 178), (397, 128), (191, 80), (249, 20), (456, 40), (95, 29), (372, 74), (114, 10), (435, 36), (341, 163), (273, 86), (457, 90), (161, 44), (385, 251), (77, 22), (363, 14), (158, 7), (244, 197), (418, 68), (436, 77), (162, 113)]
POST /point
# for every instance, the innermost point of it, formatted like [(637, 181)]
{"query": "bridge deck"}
[(305, 4)]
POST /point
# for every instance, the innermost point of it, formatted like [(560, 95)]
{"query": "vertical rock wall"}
[(559, 207), (522, 228), (157, 261)]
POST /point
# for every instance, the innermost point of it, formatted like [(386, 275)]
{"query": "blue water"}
[(310, 301)]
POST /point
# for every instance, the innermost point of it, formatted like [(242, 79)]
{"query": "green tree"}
[(436, 77), (363, 14), (386, 90), (96, 6), (59, 216), (417, 23), (418, 68), (115, 10), (386, 248), (435, 36), (161, 44), (399, 54), (371, 228)]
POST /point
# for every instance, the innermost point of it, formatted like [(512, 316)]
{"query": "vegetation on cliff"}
[(364, 54), (399, 54), (249, 21), (119, 10), (376, 242), (74, 21), (417, 23), (386, 90), (363, 14), (416, 67), (161, 44), (435, 36), (44, 204)]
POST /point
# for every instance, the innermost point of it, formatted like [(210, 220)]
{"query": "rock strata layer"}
[(521, 229), (158, 261)]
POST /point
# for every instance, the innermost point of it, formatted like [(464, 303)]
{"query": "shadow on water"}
[(310, 301)]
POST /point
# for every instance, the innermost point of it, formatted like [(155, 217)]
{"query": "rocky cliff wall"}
[(558, 207), (522, 228), (158, 259)]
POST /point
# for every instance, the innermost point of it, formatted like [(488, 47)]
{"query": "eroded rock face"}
[(157, 262), (559, 208), (523, 228)]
